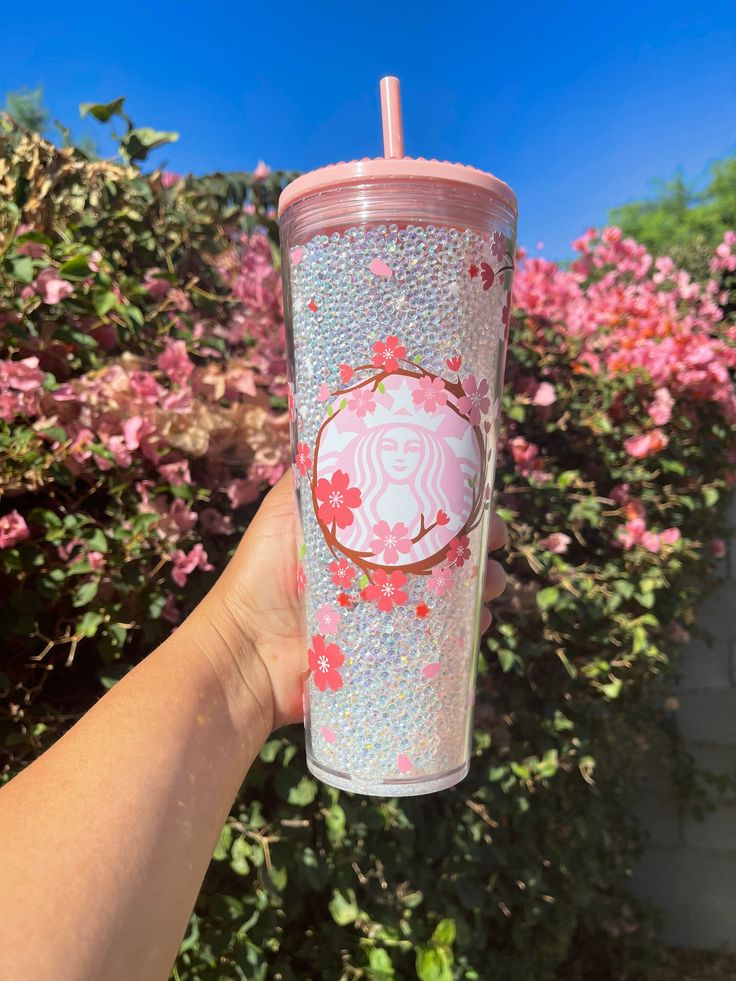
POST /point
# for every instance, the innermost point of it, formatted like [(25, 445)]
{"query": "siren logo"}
[(396, 473)]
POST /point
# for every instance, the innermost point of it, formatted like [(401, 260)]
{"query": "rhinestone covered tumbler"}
[(397, 276)]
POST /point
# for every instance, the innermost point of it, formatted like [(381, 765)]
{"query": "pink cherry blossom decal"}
[(379, 268), (431, 670), (328, 734), (296, 256), (403, 763), (339, 500), (325, 660)]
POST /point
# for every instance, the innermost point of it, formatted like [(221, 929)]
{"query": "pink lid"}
[(393, 165)]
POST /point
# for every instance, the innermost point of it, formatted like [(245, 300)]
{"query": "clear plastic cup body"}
[(397, 300)]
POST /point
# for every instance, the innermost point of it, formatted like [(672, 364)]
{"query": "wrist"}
[(231, 651)]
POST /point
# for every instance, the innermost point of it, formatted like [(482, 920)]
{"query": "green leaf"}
[(380, 967), (104, 301), (434, 964), (444, 933), (335, 823), (343, 910), (85, 592), (138, 143), (330, 410), (23, 269), (613, 688), (240, 852), (103, 111), (547, 597), (222, 849), (363, 581), (88, 624), (270, 750), (304, 792), (75, 268), (710, 496), (381, 388), (97, 542), (506, 658)]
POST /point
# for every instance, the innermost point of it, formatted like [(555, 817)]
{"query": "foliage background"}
[(142, 408)]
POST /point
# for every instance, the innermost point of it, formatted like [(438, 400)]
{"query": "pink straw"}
[(393, 135)]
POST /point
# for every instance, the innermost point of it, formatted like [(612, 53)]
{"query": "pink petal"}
[(296, 256), (431, 670), (403, 763), (328, 734), (379, 268)]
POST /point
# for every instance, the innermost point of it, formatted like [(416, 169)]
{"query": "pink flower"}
[(328, 619), (93, 261), (346, 373), (442, 518), (440, 580), (472, 270), (242, 381), (13, 529), (185, 563), (213, 522), (498, 246), (385, 590), (174, 362), (23, 375), (169, 612), (557, 542), (261, 172), (646, 443), (338, 498), (388, 353), (169, 179), (429, 393), (155, 283), (301, 578), (361, 402), (454, 363), (324, 660), (487, 275), (342, 573), (303, 459), (716, 547), (176, 473), (242, 491), (390, 541), (51, 287), (632, 532), (475, 402), (545, 394), (660, 410), (670, 536), (651, 541), (323, 392), (96, 561), (458, 551)]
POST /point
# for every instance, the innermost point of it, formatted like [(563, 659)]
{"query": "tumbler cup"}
[(397, 285)]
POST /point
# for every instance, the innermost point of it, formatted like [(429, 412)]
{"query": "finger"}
[(497, 533), (495, 580), (485, 619)]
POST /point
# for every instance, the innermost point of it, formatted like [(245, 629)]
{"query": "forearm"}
[(104, 840)]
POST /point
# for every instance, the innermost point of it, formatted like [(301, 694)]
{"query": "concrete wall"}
[(689, 868)]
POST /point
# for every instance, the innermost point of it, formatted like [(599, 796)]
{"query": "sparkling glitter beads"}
[(397, 341)]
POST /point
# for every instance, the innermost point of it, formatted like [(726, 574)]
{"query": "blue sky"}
[(577, 106)]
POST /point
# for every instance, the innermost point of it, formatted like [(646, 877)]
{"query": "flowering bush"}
[(143, 410)]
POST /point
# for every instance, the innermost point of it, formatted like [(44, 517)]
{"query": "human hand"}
[(257, 594)]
